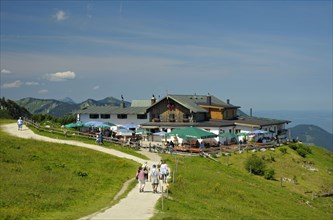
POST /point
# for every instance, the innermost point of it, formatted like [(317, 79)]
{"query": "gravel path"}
[(135, 206)]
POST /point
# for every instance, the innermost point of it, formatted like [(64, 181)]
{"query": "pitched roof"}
[(141, 103), (112, 110), (193, 102), (255, 121), (246, 121)]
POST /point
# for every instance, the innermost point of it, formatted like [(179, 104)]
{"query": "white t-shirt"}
[(164, 168)]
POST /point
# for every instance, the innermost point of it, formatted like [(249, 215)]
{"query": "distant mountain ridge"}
[(58, 108), (312, 134), (68, 100)]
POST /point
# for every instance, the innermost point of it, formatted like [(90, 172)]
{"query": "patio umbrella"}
[(243, 134), (109, 123), (124, 132), (74, 125), (129, 126), (92, 123), (142, 131), (227, 135), (174, 132), (192, 132), (161, 133), (103, 125)]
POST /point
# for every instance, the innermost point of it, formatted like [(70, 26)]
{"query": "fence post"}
[(281, 181), (162, 198)]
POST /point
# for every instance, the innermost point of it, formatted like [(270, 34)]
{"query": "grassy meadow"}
[(205, 189), (53, 181), (41, 180)]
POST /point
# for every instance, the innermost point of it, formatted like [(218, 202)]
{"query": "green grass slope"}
[(205, 189), (41, 180)]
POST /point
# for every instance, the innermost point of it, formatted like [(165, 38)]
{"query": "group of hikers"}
[(154, 175)]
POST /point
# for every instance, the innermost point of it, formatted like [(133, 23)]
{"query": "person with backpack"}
[(141, 179), (20, 123), (164, 170), (145, 170), (154, 178)]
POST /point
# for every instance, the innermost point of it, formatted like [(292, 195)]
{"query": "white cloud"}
[(60, 76), (31, 83), (95, 87), (60, 15), (43, 91), (4, 71), (14, 84)]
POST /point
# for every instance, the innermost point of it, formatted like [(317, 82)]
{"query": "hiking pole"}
[(162, 198)]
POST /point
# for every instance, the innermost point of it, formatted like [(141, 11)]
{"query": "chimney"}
[(209, 100), (153, 100), (122, 104), (228, 101), (250, 112)]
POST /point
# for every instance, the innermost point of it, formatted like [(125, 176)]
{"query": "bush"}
[(255, 165), (283, 150), (301, 149), (269, 174), (293, 146)]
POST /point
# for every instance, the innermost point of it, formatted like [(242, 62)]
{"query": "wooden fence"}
[(72, 133)]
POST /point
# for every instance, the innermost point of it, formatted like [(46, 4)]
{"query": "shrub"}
[(301, 149), (269, 174), (255, 165), (293, 146), (302, 152), (283, 150)]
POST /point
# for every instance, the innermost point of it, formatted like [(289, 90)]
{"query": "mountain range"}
[(312, 134), (58, 108)]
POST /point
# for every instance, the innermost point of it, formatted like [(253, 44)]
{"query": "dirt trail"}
[(135, 206)]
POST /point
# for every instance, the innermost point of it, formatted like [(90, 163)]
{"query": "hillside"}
[(205, 189), (11, 110), (41, 180), (58, 108), (312, 134)]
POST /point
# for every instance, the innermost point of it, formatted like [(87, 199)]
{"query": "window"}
[(172, 117), (141, 116), (121, 116), (105, 116), (93, 116)]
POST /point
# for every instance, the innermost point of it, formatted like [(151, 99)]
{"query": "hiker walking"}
[(154, 178), (20, 123), (141, 178), (145, 170), (164, 170), (99, 138)]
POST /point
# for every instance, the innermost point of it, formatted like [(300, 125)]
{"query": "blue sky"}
[(259, 54)]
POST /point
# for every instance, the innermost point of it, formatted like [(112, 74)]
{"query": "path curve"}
[(135, 206)]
